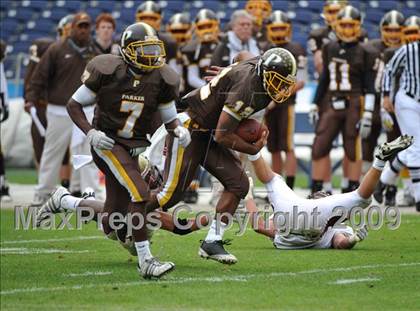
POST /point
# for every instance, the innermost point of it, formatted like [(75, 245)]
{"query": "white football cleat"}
[(153, 268), (51, 206), (388, 151)]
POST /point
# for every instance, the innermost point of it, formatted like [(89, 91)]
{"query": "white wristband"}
[(369, 102), (254, 157)]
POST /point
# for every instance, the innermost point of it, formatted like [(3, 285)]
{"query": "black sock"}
[(65, 183), (353, 185), (316, 185), (290, 181), (182, 222)]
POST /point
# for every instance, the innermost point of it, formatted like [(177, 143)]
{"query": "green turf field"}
[(49, 270)]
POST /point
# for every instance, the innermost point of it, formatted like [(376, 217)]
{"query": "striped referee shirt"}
[(408, 59)]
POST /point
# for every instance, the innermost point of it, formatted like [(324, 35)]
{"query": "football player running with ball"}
[(128, 89), (214, 113)]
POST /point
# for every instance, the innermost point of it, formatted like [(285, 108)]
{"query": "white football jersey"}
[(307, 218)]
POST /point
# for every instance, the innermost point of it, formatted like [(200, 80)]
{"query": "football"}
[(250, 130)]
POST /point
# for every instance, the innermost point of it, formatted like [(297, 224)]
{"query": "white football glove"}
[(99, 140), (365, 124), (359, 235), (313, 115), (183, 135), (387, 121)]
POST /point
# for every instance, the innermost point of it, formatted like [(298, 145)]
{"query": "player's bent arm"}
[(174, 127), (194, 77), (261, 168), (82, 97), (258, 223), (225, 135)]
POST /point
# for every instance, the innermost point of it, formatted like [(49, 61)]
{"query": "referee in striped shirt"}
[(407, 111)]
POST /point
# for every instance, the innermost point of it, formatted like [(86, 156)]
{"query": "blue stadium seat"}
[(35, 5), (176, 6), (410, 12), (94, 12), (59, 12), (316, 6), (24, 14), (280, 5), (373, 15), (304, 16), (44, 25), (20, 47), (69, 5), (385, 5), (9, 26)]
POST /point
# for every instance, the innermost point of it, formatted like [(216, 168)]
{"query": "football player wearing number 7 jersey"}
[(213, 114), (127, 90), (347, 76)]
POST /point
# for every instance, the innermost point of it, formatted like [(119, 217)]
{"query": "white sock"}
[(406, 183), (213, 235), (344, 182), (69, 202), (143, 251), (416, 191), (327, 186), (378, 164), (388, 176)]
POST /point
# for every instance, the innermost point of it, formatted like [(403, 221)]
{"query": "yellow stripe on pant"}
[(120, 174), (165, 195)]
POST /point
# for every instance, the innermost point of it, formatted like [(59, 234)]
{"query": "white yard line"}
[(351, 281), (79, 238), (33, 251), (233, 278), (88, 273)]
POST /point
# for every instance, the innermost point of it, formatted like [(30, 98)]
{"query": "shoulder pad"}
[(169, 75), (106, 63)]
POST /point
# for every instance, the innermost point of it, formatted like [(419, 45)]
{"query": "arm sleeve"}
[(302, 64), (216, 59), (324, 79), (370, 73), (194, 77), (84, 96), (168, 112), (397, 61), (43, 72)]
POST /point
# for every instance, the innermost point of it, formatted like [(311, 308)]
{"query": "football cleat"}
[(390, 195), (88, 194), (387, 151), (153, 268), (215, 250), (5, 195), (407, 198), (378, 192), (51, 206)]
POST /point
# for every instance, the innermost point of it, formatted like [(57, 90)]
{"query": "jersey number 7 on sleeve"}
[(342, 84), (135, 109)]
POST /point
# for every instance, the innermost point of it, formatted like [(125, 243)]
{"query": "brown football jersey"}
[(376, 47), (125, 102), (169, 43), (200, 54), (36, 50), (322, 35), (347, 64), (300, 55), (237, 89)]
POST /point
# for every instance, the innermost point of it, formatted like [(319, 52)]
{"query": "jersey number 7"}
[(135, 109)]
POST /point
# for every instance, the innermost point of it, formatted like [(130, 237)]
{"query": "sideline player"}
[(322, 233), (128, 90)]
